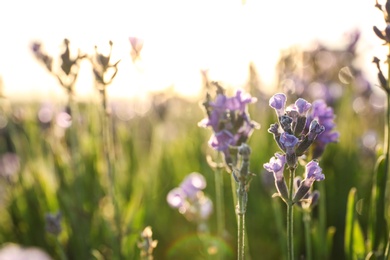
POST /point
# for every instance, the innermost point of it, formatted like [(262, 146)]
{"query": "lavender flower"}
[(288, 143), (276, 166), (190, 200), (229, 120), (302, 106), (313, 173), (325, 117), (176, 198), (193, 183), (310, 199), (278, 102)]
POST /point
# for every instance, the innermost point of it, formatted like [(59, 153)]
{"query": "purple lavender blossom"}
[(276, 165), (325, 117), (190, 200), (176, 198), (302, 106), (278, 102), (193, 183), (288, 142), (221, 141), (229, 119), (314, 171)]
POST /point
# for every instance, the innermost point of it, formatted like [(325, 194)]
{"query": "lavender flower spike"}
[(278, 102)]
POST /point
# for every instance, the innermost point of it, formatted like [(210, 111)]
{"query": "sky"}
[(181, 38)]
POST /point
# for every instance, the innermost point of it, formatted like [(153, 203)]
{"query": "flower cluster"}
[(294, 133), (190, 200), (229, 119)]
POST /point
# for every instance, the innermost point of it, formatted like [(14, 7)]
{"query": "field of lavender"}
[(300, 173)]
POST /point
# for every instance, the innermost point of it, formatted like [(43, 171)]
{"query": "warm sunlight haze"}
[(181, 38)]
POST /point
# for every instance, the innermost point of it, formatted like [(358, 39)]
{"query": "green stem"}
[(307, 227), (241, 208), (290, 205), (108, 154), (220, 203)]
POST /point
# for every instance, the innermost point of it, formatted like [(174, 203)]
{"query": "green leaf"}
[(377, 223), (353, 240)]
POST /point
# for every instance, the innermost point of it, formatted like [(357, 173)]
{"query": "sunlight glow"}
[(181, 38)]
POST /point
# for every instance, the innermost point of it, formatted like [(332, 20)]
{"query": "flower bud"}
[(282, 189), (300, 125), (379, 33), (303, 190), (285, 123)]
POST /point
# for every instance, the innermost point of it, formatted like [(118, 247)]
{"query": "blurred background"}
[(56, 148)]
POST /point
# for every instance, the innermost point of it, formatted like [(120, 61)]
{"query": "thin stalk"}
[(241, 208), (108, 150), (220, 203), (290, 215), (307, 227), (387, 142)]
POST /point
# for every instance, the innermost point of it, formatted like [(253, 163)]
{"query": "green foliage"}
[(354, 240), (64, 170)]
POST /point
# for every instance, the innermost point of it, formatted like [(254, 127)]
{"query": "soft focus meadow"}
[(241, 173)]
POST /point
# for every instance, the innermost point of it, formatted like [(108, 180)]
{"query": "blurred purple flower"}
[(64, 120), (176, 198), (325, 117), (9, 164), (193, 183), (189, 198)]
